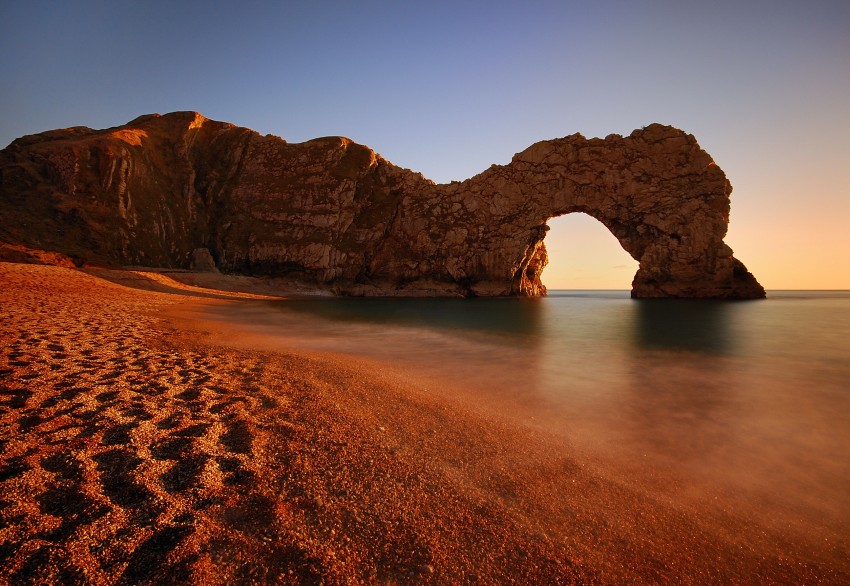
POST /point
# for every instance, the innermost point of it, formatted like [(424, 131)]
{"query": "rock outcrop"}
[(335, 213)]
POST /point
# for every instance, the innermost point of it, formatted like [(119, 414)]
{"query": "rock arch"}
[(335, 213), (659, 194)]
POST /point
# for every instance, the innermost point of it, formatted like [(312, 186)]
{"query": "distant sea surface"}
[(745, 400)]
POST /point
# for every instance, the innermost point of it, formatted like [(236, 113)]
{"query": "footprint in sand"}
[(72, 506), (17, 398), (116, 467), (148, 561), (172, 448), (106, 397), (235, 473), (49, 564), (118, 435), (14, 467), (185, 473), (238, 438)]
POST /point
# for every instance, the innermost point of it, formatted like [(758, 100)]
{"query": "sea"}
[(747, 402)]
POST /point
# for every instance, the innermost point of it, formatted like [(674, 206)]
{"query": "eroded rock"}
[(202, 261), (337, 214)]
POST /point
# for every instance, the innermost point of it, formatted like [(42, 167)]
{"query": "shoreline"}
[(140, 443)]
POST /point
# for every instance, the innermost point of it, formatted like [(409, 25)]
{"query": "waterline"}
[(748, 400)]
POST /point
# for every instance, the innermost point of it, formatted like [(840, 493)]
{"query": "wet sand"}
[(141, 443)]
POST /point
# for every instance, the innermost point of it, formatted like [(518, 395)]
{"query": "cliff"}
[(335, 213)]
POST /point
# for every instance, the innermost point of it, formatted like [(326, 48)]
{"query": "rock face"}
[(202, 261), (335, 213)]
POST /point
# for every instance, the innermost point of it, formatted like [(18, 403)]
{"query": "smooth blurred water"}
[(748, 397)]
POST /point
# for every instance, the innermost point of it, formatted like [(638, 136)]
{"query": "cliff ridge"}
[(334, 213)]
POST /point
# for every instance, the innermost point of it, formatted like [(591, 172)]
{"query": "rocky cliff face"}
[(337, 214)]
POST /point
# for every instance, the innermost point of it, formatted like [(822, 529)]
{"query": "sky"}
[(449, 88)]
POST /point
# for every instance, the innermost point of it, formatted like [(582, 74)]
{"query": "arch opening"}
[(584, 254)]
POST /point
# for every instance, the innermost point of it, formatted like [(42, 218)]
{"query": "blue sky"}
[(448, 88)]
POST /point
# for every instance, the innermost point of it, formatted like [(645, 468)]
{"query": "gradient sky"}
[(448, 88)]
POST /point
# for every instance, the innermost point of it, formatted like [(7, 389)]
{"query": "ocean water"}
[(745, 401)]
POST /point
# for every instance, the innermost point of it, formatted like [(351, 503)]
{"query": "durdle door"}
[(334, 213)]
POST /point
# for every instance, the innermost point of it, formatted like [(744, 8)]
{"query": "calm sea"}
[(749, 399)]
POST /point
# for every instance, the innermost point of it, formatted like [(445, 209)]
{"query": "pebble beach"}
[(142, 443)]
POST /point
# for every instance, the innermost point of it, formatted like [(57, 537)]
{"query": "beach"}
[(141, 442)]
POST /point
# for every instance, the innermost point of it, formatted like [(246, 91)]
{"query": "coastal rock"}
[(202, 261), (332, 212)]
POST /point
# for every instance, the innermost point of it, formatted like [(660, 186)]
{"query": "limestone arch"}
[(656, 191), (336, 214)]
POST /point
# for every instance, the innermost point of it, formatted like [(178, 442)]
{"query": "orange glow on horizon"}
[(583, 254)]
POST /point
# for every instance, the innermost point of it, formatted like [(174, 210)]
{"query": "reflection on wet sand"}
[(664, 387), (693, 402), (149, 450)]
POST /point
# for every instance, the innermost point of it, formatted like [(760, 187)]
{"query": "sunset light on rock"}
[(544, 292)]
